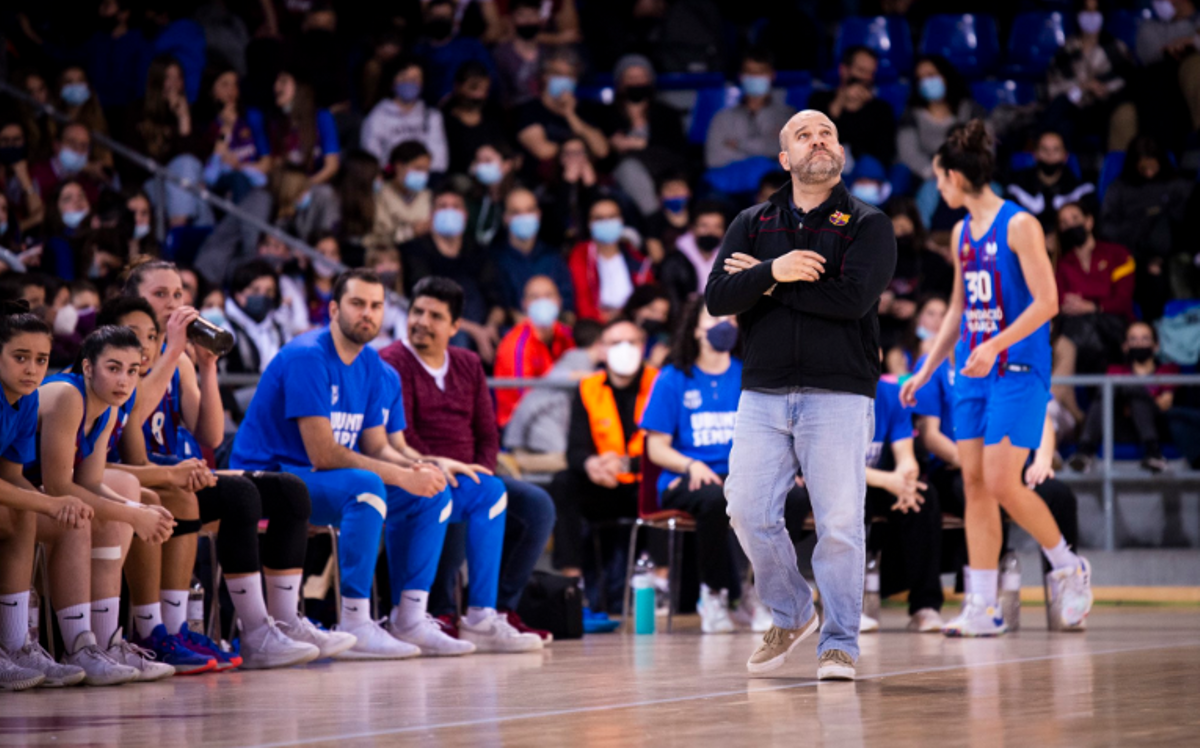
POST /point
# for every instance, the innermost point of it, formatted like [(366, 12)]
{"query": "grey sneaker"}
[(834, 664), (777, 644), (33, 657), (14, 677)]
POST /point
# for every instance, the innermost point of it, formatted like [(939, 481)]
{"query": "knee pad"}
[(186, 527), (284, 496), (236, 500)]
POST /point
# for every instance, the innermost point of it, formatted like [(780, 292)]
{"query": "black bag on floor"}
[(553, 603)]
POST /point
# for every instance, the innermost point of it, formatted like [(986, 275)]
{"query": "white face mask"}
[(1164, 9), (624, 359), (66, 320)]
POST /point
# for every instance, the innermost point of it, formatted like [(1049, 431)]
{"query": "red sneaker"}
[(449, 624), (515, 621)]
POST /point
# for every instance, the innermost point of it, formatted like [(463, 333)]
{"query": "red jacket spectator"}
[(523, 353), (1108, 282), (585, 275), (458, 423)]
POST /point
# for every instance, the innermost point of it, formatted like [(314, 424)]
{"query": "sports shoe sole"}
[(482, 649), (959, 634), (350, 654), (162, 676), (22, 685), (208, 667), (836, 672), (295, 662), (777, 661), (335, 651), (112, 681), (71, 680)]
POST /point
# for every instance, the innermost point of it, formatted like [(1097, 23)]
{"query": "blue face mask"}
[(3, 228), (415, 181), (756, 85), (868, 192), (933, 88), (139, 231), (304, 201), (607, 230), (72, 218), (722, 336), (215, 316), (449, 222), (76, 94), (543, 312), (525, 226), (488, 172), (377, 186), (675, 204), (557, 85), (407, 92), (72, 161), (925, 334)]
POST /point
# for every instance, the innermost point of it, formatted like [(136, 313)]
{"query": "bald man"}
[(803, 272)]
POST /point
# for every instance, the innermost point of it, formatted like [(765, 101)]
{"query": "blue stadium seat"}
[(1034, 40), (1114, 161), (1124, 25), (895, 94), (798, 95), (792, 78), (183, 243), (709, 101), (687, 81), (969, 41), (992, 93), (889, 36), (741, 177)]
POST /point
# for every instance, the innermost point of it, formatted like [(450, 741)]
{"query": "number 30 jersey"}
[(994, 294)]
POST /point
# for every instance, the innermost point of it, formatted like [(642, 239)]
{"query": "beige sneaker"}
[(926, 621), (835, 664), (777, 644)]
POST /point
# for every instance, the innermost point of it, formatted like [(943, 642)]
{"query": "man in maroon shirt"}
[(449, 414)]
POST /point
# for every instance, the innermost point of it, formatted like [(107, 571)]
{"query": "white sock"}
[(411, 610), (1061, 556), (983, 582), (355, 612), (104, 619), (174, 609), (283, 597), (146, 618), (14, 620), (248, 601), (476, 616), (73, 621)]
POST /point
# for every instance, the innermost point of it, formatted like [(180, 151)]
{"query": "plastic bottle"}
[(207, 335), (195, 607), (871, 586), (643, 595), (1010, 590), (35, 615)]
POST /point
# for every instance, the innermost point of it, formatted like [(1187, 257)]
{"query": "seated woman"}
[(689, 422)]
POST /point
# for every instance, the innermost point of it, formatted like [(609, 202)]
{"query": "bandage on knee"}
[(107, 553)]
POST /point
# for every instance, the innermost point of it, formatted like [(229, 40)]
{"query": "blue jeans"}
[(826, 435)]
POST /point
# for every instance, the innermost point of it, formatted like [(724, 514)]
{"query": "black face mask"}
[(1049, 170), (708, 242), (1072, 238), (439, 28), (12, 154), (654, 328), (258, 307), (638, 94), (904, 244), (470, 104), (529, 31), (1141, 354)]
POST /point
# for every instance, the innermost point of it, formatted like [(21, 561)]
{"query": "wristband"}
[(687, 470)]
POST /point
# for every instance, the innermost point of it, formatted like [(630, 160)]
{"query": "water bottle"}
[(35, 615), (871, 586), (1010, 590), (207, 335), (643, 596), (195, 607)]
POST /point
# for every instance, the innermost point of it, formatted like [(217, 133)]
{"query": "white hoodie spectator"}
[(404, 116)]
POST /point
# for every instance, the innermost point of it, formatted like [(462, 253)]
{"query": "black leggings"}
[(286, 503), (238, 501)]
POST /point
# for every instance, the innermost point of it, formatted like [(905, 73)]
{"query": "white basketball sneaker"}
[(99, 669), (926, 621), (329, 643), (493, 633), (429, 636), (977, 619), (714, 611), (34, 657), (373, 643), (14, 677), (142, 660), (269, 647), (867, 624), (1071, 593)]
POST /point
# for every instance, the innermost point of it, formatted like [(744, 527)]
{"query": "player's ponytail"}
[(969, 151)]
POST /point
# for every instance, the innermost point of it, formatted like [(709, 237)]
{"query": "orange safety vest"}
[(605, 421)]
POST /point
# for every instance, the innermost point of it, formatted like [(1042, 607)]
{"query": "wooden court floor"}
[(1132, 680)]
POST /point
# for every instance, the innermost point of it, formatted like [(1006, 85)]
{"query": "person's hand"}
[(1073, 303), (587, 173), (421, 480), (908, 392), (982, 359), (421, 228), (566, 104), (798, 265), (1097, 89), (907, 502), (153, 524), (32, 255), (1180, 47), (1039, 471), (177, 325), (857, 95), (600, 471), (204, 358), (699, 474), (454, 468), (69, 511), (739, 261)]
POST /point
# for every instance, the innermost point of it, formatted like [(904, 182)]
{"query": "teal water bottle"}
[(643, 596)]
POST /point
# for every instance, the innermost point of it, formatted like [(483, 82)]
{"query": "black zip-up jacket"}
[(822, 334)]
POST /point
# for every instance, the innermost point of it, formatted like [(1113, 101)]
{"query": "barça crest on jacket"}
[(838, 218)]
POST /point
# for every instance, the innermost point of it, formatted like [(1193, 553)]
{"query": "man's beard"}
[(353, 334), (811, 171)]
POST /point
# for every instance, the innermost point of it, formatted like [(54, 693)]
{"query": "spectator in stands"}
[(38, 126), (115, 58), (1051, 184), (865, 123), (605, 268), (546, 124), (66, 222), (319, 278), (447, 410), (649, 307), (531, 348), (646, 134), (402, 116), (404, 204), (566, 197), (25, 204), (940, 100), (165, 131), (235, 139), (172, 33), (71, 161), (444, 50), (305, 137), (495, 171), (357, 191), (449, 252), (1086, 84), (10, 229), (672, 219), (386, 264), (519, 58), (470, 118), (225, 33), (74, 98), (605, 444), (560, 26), (521, 255), (685, 270), (141, 223), (918, 339), (1139, 412), (386, 47), (751, 128), (293, 298), (1169, 84), (250, 312)]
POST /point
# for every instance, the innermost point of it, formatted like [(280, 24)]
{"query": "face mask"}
[(868, 192), (66, 320), (638, 94), (543, 312), (75, 93), (557, 85), (3, 228), (323, 270), (756, 85), (12, 154), (257, 307), (389, 278), (488, 172), (722, 336), (439, 28), (304, 201), (72, 218), (675, 204), (71, 161), (529, 31), (933, 88), (708, 242), (1090, 21), (925, 334), (1141, 354), (141, 231), (904, 244), (1048, 169), (1072, 238), (525, 226), (377, 186), (607, 230), (407, 92), (1164, 9), (654, 328), (449, 222), (624, 359), (471, 104), (215, 316), (415, 181)]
